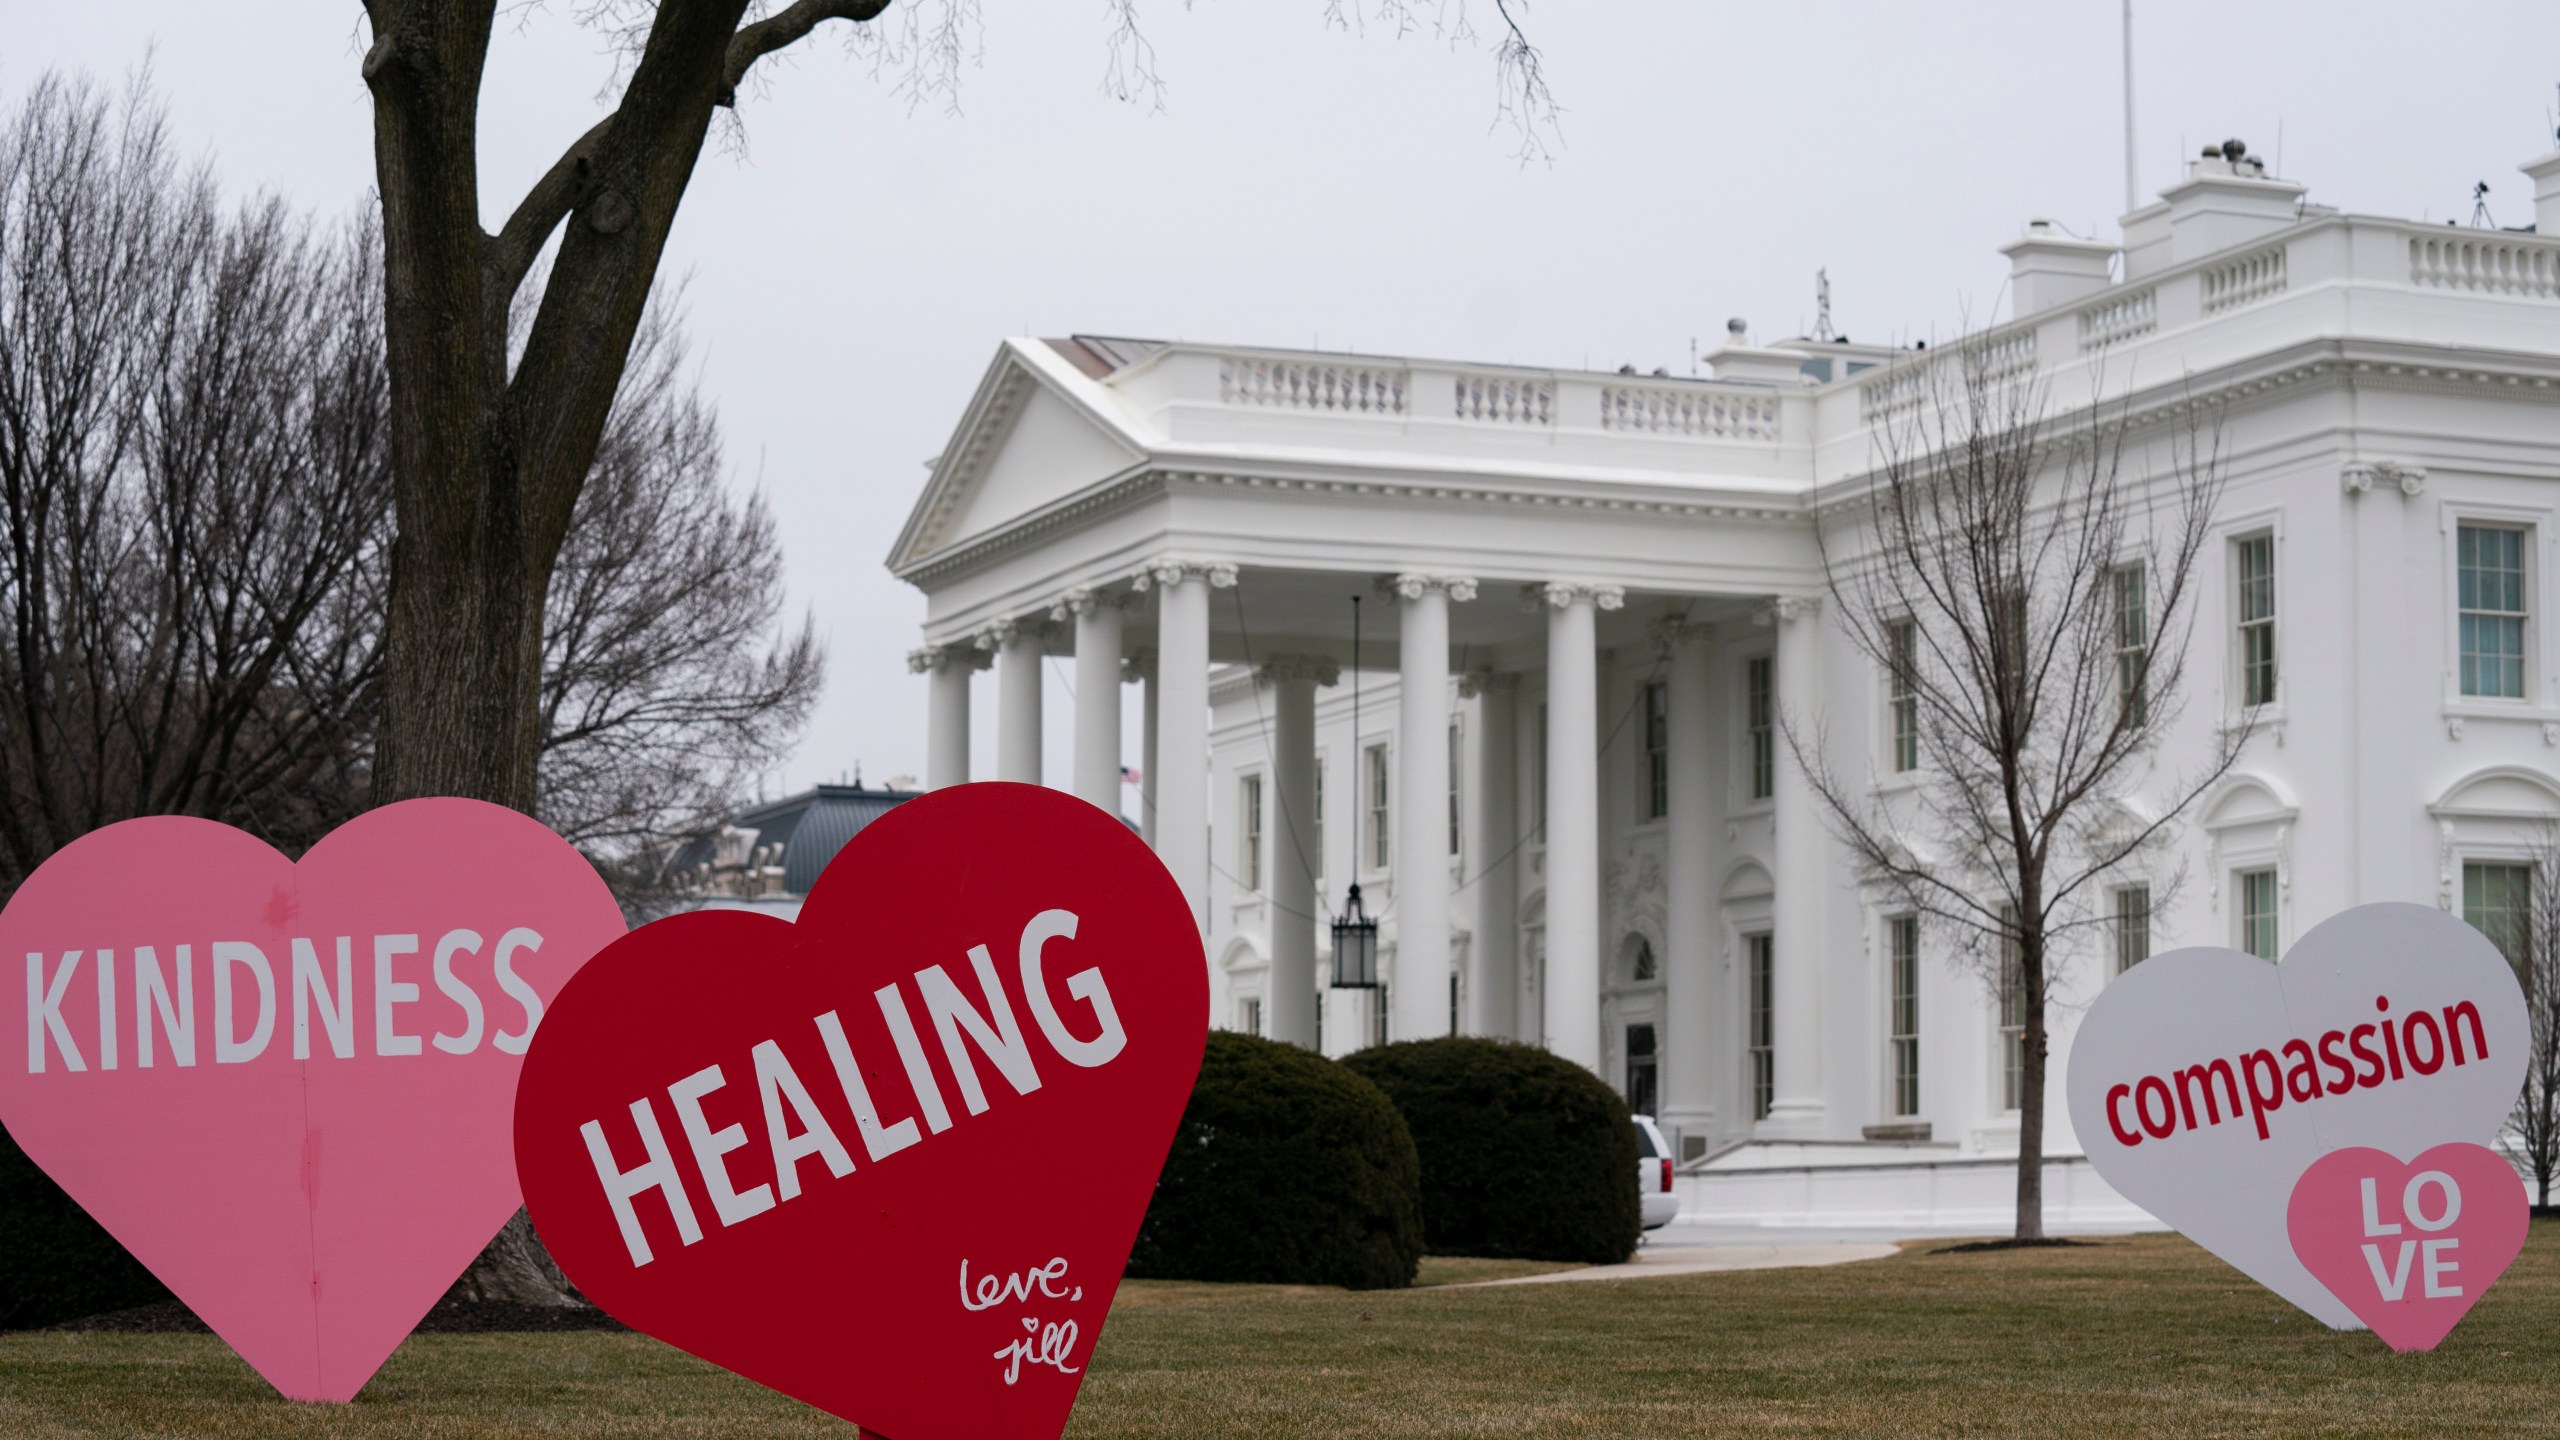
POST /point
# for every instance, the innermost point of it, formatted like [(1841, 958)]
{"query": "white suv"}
[(1653, 1175)]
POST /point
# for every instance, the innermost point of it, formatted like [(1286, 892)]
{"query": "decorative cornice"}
[(1412, 586), (1299, 667), (2360, 476)]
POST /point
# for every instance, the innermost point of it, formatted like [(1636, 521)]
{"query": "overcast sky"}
[(852, 272)]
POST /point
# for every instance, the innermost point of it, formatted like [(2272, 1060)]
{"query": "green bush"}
[(1288, 1169), (1524, 1154), (55, 1262)]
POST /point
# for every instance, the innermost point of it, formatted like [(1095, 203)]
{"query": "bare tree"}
[(2534, 947), (491, 444), (2032, 603), (194, 472)]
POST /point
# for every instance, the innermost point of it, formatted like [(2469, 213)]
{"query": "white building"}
[(1587, 596)]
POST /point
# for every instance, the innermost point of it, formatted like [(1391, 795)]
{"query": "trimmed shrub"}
[(1524, 1153), (1288, 1169), (55, 1262)]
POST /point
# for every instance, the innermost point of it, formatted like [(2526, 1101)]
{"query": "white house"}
[(1589, 597)]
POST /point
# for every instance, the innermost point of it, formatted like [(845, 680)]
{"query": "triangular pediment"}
[(1037, 432)]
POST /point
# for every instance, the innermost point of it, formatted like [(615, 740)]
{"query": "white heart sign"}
[(2205, 1081)]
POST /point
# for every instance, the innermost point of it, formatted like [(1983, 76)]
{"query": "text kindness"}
[(316, 977), (2362, 1057), (796, 1130)]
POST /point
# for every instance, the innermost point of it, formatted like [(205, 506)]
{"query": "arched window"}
[(1640, 964)]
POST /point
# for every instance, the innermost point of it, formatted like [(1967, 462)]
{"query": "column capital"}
[(1478, 682), (967, 653), (1299, 667), (1080, 601), (1412, 585), (1672, 632), (1166, 571), (2360, 476), (1557, 594), (1787, 607)]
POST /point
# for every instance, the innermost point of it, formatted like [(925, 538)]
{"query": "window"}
[(1455, 750), (2258, 912), (1902, 692), (1249, 1015), (1319, 795), (2013, 1011), (1902, 939), (1643, 1070), (1764, 1067), (2133, 643), (1249, 832), (1378, 1016), (2497, 900), (1764, 739), (2491, 566), (1375, 762), (1453, 1002), (1641, 966), (2131, 926), (2257, 556), (1657, 750)]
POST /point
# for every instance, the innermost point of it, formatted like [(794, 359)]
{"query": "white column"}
[(1097, 771), (1140, 669), (1573, 818), (947, 669), (1493, 990), (1688, 1093), (1020, 654), (1296, 850), (1420, 989), (1796, 1109), (1182, 724)]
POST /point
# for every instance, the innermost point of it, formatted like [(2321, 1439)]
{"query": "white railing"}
[(1668, 410), (2113, 322), (2491, 265), (2001, 358), (1504, 400), (1313, 385), (2244, 281)]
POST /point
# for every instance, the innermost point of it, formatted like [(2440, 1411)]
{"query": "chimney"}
[(1751, 364), (2227, 200), (2048, 268), (2545, 174)]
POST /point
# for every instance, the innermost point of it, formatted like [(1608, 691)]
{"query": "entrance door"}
[(1643, 1070)]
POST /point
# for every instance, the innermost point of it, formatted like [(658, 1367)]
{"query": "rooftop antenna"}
[(2132, 175), (1822, 306)]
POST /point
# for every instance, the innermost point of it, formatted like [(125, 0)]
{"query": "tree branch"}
[(754, 42)]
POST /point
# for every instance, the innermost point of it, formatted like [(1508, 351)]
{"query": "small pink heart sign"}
[(287, 1088), (2220, 1093), (2409, 1247)]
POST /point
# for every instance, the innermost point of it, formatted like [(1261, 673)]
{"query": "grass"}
[(2145, 1336)]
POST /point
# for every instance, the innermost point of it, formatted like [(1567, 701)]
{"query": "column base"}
[(1793, 1120), (1690, 1131)]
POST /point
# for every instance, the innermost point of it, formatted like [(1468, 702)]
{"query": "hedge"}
[(1288, 1169), (1524, 1154), (55, 1262)]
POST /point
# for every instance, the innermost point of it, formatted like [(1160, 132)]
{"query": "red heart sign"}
[(285, 1087), (2409, 1248), (889, 1160)]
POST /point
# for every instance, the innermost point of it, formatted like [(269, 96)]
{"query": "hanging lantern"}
[(1355, 946)]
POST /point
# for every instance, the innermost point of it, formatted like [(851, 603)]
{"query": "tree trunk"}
[(2031, 1082)]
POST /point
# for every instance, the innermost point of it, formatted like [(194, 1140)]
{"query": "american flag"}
[(1129, 775)]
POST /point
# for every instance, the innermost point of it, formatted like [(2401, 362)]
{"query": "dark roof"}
[(810, 827), (1100, 355)]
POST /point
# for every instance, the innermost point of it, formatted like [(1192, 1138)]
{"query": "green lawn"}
[(2136, 1337)]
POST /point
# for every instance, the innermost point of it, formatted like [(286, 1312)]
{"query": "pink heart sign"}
[(286, 1087), (2409, 1248), (2205, 1082)]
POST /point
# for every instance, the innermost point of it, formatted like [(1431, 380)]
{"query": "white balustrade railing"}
[(1999, 358), (1506, 400), (1313, 385), (2494, 265), (2244, 281), (1689, 410), (2115, 321)]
